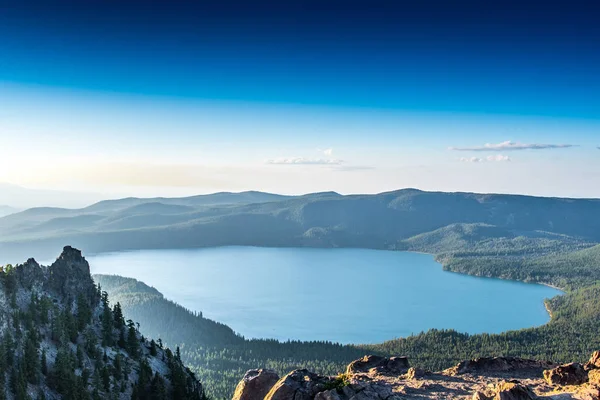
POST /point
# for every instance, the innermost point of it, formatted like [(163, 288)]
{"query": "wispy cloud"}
[(349, 168), (326, 152), (304, 161), (509, 145), (496, 158)]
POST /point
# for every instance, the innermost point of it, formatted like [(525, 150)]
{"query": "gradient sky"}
[(176, 98)]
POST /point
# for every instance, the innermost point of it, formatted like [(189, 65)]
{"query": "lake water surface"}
[(342, 295)]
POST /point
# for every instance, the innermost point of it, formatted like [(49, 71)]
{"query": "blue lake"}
[(342, 295)]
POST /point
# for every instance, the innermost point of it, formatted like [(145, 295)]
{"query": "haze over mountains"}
[(404, 219), (16, 198)]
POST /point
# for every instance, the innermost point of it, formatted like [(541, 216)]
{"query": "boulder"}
[(397, 365), (498, 364), (480, 396), (594, 362), (329, 395), (416, 373), (588, 392), (255, 384), (377, 364), (300, 384), (568, 374), (594, 376), (513, 391)]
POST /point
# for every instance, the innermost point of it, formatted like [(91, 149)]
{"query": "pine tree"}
[(117, 367), (84, 313), (2, 385), (122, 343), (132, 340), (63, 375), (80, 356), (118, 316), (44, 363), (107, 323), (8, 348), (134, 393), (157, 388), (31, 358)]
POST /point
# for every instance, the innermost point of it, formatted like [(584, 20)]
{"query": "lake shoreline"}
[(381, 265)]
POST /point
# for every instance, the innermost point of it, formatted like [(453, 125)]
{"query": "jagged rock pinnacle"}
[(70, 274)]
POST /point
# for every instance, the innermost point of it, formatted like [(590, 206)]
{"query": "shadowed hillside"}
[(405, 219)]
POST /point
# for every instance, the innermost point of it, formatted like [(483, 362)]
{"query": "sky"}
[(128, 98)]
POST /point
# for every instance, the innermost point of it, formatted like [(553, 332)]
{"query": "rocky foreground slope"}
[(379, 378), (61, 339)]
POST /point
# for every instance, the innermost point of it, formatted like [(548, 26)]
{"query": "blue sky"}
[(124, 98)]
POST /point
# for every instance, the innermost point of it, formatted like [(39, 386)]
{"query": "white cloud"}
[(509, 145), (498, 157), (493, 158), (471, 159), (327, 152), (348, 168), (303, 161)]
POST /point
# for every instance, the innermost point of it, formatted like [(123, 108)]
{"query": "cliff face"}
[(378, 378), (61, 338)]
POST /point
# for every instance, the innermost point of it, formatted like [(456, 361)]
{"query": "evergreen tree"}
[(2, 385), (158, 390), (80, 356), (44, 363), (107, 322), (8, 349), (118, 316), (31, 358), (153, 351), (132, 341), (84, 313), (122, 343)]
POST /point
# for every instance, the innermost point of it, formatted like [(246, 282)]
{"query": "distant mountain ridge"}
[(7, 210), (383, 221)]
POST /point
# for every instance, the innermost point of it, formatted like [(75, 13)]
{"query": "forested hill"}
[(61, 338), (392, 220)]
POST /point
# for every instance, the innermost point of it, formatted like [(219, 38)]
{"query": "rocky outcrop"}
[(63, 310), (416, 373), (255, 384), (70, 276), (299, 385), (588, 392), (497, 364), (30, 274), (507, 390), (594, 362), (380, 365), (513, 391), (380, 378), (568, 374), (594, 376)]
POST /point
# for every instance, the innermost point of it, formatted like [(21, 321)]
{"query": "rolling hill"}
[(407, 219)]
